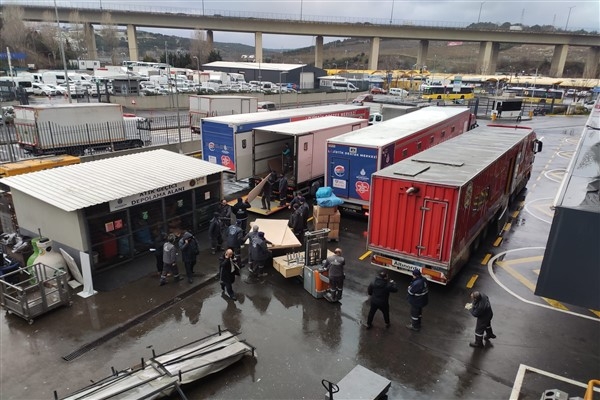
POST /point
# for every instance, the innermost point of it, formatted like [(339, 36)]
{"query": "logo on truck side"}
[(339, 170), (211, 146)]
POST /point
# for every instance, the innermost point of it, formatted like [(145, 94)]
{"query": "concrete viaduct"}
[(488, 51)]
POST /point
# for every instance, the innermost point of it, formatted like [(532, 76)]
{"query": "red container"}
[(431, 210)]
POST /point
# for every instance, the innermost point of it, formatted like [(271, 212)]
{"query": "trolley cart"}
[(34, 291)]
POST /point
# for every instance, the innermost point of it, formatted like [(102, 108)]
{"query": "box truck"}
[(353, 157), (307, 142), (226, 139), (432, 210), (75, 128), (214, 106)]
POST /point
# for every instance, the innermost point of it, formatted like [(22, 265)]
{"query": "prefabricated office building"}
[(117, 208)]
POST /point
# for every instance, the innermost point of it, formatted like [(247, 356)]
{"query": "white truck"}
[(307, 141), (76, 128), (214, 106)]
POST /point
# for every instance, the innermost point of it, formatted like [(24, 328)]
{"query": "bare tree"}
[(110, 37), (13, 32), (49, 33), (77, 32), (199, 46)]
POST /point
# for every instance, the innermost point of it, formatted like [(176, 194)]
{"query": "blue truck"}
[(227, 140)]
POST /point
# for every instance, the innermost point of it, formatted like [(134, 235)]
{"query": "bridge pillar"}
[(319, 52), (591, 64), (90, 41), (558, 60), (488, 58), (422, 53), (374, 57), (210, 39), (132, 42), (258, 55)]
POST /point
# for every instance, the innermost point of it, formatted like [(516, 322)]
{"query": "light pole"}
[(568, 16), (197, 67), (301, 4), (480, 7), (62, 53), (392, 14), (280, 89)]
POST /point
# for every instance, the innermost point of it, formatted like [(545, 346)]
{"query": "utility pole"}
[(62, 53)]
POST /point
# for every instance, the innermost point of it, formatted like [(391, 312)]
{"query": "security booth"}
[(115, 209)]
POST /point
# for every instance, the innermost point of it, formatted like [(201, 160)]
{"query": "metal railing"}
[(51, 138), (109, 6)]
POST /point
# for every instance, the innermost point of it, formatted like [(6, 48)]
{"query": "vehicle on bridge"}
[(432, 211), (440, 92)]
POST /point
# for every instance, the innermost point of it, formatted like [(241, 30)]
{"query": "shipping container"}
[(432, 210), (307, 141), (226, 140), (353, 157), (214, 106), (74, 128)]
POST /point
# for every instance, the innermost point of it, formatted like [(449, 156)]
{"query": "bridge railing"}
[(125, 7)]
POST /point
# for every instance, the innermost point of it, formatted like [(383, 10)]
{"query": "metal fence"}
[(51, 138)]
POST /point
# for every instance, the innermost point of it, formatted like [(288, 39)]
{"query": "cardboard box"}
[(334, 226), (322, 219), (334, 234), (337, 217), (320, 225), (324, 210)]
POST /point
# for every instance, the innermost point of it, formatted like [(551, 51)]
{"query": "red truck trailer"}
[(431, 210)]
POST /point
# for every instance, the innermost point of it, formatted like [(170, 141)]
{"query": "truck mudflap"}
[(407, 268)]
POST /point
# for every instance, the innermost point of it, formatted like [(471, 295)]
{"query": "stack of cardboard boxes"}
[(327, 217)]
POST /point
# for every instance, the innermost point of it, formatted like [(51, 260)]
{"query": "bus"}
[(438, 92), (537, 95)]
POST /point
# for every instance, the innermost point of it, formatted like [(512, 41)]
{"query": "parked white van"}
[(398, 92), (344, 86), (54, 77)]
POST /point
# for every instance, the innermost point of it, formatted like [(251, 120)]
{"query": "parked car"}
[(362, 98), (378, 90), (40, 89), (589, 105)]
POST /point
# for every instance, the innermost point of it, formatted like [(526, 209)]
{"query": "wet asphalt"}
[(301, 340)]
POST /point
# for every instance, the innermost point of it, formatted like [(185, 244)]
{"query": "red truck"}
[(431, 211)]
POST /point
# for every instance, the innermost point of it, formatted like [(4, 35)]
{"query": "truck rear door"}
[(339, 176), (433, 227), (304, 151)]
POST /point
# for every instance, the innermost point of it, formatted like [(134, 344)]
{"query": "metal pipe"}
[(62, 53)]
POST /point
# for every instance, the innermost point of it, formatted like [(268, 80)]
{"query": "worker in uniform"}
[(260, 253), (379, 290), (481, 309), (214, 233), (286, 156), (283, 190), (234, 238), (241, 215), (268, 190), (170, 260), (334, 264), (418, 297)]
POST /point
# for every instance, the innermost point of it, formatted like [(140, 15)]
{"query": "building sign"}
[(155, 194), (457, 84)]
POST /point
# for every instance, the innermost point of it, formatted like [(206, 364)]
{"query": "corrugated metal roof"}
[(456, 161), (253, 65), (310, 125), (397, 128), (83, 185)]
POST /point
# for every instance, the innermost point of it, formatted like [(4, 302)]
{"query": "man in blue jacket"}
[(482, 310), (418, 297)]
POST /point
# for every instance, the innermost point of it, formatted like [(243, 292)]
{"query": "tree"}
[(78, 43), (13, 33), (199, 46), (109, 36), (214, 56), (50, 34)]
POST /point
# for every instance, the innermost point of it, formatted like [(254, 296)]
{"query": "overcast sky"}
[(580, 14)]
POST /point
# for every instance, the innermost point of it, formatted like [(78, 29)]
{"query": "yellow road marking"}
[(367, 254), (498, 241), (515, 214), (596, 312), (472, 281), (517, 275), (507, 227), (523, 260), (486, 259)]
